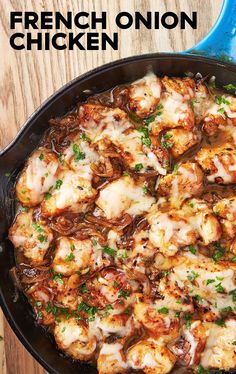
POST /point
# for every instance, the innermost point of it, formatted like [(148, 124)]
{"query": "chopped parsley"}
[(37, 227), (163, 310), (115, 284), (198, 298), (221, 111), (56, 311), (219, 253), (70, 257), (233, 293), (178, 301), (41, 157), (209, 281), (72, 246), (38, 304), (109, 251), (145, 190), (221, 100), (159, 108), (123, 294), (122, 254), (90, 310), (47, 195), (193, 276), (192, 249), (220, 322), (166, 145), (167, 136), (42, 238), (175, 169), (201, 370), (84, 289), (94, 242), (227, 309), (219, 288), (58, 278), (58, 184), (233, 259), (78, 155), (61, 159), (84, 137), (138, 167), (188, 318), (126, 173), (234, 343), (229, 87), (149, 119), (145, 138)]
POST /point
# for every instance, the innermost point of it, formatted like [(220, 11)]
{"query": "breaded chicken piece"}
[(74, 338), (210, 283), (218, 163), (180, 140), (38, 176), (73, 255), (80, 155), (31, 237), (111, 359), (98, 121), (219, 352), (123, 195), (191, 344), (225, 209), (70, 195), (185, 182), (201, 217), (151, 356), (175, 109), (144, 95), (112, 323), (158, 320), (170, 231)]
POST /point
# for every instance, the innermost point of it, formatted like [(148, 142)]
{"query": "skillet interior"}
[(19, 313)]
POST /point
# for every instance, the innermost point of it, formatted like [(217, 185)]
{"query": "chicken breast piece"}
[(70, 195), (123, 195), (191, 344), (180, 140), (225, 209), (100, 122), (170, 231), (218, 163), (144, 95), (151, 356), (38, 176), (158, 320), (80, 156), (175, 109), (74, 255), (74, 338), (31, 237), (111, 359), (112, 323), (220, 351), (210, 284), (185, 182)]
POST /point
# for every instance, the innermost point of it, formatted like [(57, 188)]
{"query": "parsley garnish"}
[(109, 251), (192, 249), (42, 238), (188, 319), (227, 309), (58, 184), (78, 155), (41, 157), (163, 310), (229, 87), (175, 169), (138, 167), (115, 284), (219, 253), (219, 288), (220, 322), (145, 190), (37, 227), (58, 278), (84, 137), (209, 281), (221, 100), (221, 111), (123, 293), (70, 257), (84, 289), (166, 145), (201, 370), (47, 195)]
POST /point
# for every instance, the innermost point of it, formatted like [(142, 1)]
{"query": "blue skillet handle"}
[(220, 43)]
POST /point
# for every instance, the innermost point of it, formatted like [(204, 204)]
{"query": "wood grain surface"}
[(29, 77)]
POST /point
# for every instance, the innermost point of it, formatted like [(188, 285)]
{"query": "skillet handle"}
[(220, 43)]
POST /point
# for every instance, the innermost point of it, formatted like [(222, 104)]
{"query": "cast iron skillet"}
[(17, 310)]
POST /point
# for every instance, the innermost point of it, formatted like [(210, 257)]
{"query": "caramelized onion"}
[(119, 223), (141, 278)]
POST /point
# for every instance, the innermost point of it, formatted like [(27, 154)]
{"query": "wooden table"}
[(29, 77)]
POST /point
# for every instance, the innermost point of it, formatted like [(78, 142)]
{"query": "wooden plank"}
[(29, 77)]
